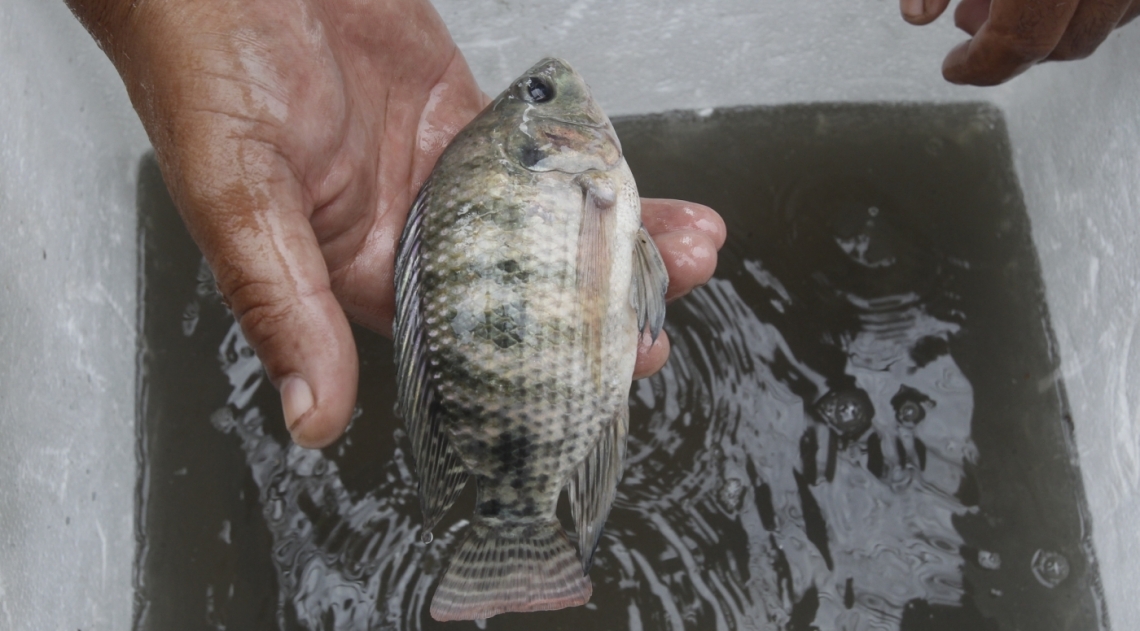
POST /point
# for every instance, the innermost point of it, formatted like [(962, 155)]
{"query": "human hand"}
[(294, 137), (1009, 36)]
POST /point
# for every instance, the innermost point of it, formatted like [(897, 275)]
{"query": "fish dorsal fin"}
[(439, 470), (650, 281), (593, 486), (594, 264)]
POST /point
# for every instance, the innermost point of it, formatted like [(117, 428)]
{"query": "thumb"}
[(268, 265)]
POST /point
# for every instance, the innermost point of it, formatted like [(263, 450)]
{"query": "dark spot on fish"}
[(505, 340), (875, 456), (512, 452), (503, 325), (455, 367), (512, 272), (518, 483), (530, 155), (490, 508), (523, 447)]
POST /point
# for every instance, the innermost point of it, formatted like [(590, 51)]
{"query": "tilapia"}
[(524, 281)]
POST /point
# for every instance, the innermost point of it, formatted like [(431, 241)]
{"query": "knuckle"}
[(1029, 50), (259, 306), (1079, 43), (1019, 45), (1071, 52), (262, 321)]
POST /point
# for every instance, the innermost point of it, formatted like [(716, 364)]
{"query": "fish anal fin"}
[(439, 469), (497, 570), (593, 486)]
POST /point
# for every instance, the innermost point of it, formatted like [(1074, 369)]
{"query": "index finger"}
[(1016, 35)]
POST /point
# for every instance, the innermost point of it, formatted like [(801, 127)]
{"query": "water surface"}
[(861, 426)]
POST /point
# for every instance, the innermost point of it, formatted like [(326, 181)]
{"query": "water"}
[(861, 426)]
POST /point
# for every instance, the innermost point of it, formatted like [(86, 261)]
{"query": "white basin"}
[(70, 147)]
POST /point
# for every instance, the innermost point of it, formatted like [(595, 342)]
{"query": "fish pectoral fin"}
[(439, 470), (593, 265), (593, 486), (650, 281), (496, 570)]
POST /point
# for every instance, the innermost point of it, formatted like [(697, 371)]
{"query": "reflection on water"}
[(858, 428)]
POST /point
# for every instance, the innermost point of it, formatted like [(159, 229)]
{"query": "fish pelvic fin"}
[(593, 486), (502, 569)]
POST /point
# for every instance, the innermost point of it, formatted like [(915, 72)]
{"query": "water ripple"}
[(742, 505)]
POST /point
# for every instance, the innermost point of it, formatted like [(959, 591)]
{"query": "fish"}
[(525, 280)]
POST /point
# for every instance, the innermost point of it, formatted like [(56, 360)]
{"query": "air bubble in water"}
[(427, 537), (731, 494), (849, 412), (989, 560), (1050, 568), (910, 413)]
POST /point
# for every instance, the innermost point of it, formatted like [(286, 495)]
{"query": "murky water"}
[(861, 426)]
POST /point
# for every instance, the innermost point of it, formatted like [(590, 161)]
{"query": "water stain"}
[(849, 435)]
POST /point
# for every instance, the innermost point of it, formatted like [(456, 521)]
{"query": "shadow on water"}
[(861, 426)]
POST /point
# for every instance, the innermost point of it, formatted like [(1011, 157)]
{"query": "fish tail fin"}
[(497, 569)]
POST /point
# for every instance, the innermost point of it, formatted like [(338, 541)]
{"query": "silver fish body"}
[(524, 281)]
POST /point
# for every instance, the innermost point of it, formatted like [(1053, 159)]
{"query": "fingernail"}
[(296, 400), (912, 8)]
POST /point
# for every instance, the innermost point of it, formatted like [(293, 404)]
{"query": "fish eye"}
[(537, 90)]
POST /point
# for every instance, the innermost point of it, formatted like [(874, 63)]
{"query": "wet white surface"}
[(69, 152)]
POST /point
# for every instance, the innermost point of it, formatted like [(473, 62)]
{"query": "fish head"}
[(553, 122)]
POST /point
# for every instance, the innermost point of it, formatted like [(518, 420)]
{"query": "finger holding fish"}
[(662, 216), (688, 236), (651, 355)]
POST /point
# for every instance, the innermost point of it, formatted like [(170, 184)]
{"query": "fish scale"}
[(524, 281)]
